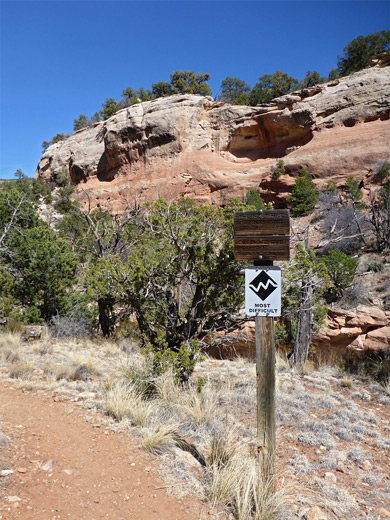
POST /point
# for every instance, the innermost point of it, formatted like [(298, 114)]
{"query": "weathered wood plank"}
[(268, 222), (262, 235), (268, 247)]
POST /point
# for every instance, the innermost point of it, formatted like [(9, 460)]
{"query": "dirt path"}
[(67, 468)]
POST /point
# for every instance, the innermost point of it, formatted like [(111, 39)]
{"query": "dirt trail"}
[(67, 468)]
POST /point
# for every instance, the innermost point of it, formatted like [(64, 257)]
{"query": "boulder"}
[(365, 317), (32, 332), (378, 339)]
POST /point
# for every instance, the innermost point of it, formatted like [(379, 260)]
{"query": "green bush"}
[(358, 53), (383, 171), (253, 198), (341, 269), (330, 188), (62, 177), (375, 265), (303, 197), (179, 279), (279, 170), (353, 192)]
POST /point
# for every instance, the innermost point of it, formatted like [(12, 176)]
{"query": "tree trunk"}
[(303, 335), (106, 319)]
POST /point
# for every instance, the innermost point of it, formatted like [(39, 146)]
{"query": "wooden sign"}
[(262, 235)]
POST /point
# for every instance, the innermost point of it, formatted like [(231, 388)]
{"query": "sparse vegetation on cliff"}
[(356, 56), (358, 53)]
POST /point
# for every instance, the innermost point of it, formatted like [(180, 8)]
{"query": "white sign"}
[(263, 291)]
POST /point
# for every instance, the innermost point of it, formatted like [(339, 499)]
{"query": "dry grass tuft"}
[(346, 382), (11, 340), (386, 386), (167, 390), (201, 408), (21, 370), (223, 446), (306, 368), (123, 401), (160, 438), (238, 485)]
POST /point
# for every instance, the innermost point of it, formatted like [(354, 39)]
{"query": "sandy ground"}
[(67, 468)]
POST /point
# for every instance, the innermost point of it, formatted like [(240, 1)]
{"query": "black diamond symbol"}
[(263, 285)]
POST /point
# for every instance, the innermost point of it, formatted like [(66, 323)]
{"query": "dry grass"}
[(238, 484), (158, 439), (124, 401), (21, 370), (11, 340), (201, 407), (325, 421), (168, 391), (346, 382)]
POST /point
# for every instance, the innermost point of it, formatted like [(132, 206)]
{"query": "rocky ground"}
[(76, 434)]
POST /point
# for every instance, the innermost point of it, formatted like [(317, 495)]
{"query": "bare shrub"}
[(344, 228), (69, 326), (353, 296)]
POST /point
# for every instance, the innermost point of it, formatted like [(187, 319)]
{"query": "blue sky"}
[(60, 59)]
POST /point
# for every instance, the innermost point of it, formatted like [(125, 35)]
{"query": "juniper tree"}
[(179, 279)]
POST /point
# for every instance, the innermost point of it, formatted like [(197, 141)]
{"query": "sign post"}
[(263, 236)]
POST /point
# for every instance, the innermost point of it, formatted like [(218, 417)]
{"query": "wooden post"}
[(265, 372), (264, 236)]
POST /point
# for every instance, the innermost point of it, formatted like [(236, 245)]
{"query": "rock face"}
[(188, 145), (345, 332), (365, 328)]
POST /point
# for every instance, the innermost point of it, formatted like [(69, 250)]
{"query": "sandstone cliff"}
[(188, 145)]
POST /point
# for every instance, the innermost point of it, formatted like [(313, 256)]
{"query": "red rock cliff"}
[(188, 145)]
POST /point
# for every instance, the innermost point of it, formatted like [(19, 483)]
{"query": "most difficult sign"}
[(263, 291)]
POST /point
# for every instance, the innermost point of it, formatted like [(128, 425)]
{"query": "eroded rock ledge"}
[(187, 145)]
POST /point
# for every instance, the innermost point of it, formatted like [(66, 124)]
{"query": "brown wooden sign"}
[(262, 235)]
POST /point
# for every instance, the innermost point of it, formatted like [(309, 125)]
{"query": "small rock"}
[(366, 464), (6, 472), (67, 471), (315, 513), (48, 465), (13, 499), (22, 470), (86, 395), (381, 511), (330, 477)]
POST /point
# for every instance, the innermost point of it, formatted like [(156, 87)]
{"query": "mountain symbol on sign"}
[(263, 285)]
